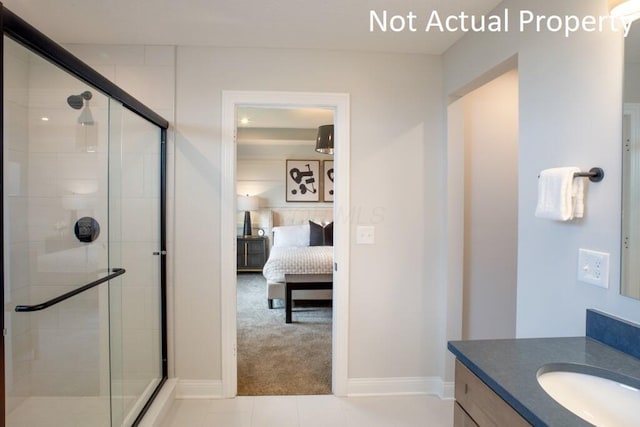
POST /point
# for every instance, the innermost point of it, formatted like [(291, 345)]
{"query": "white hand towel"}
[(560, 195), (578, 197)]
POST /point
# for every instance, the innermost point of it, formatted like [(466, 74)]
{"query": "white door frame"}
[(339, 103)]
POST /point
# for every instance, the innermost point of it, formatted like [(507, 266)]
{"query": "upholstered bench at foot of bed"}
[(276, 291)]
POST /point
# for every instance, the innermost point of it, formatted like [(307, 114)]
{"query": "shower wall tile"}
[(58, 384), (133, 174), (16, 132), (139, 220), (50, 86), (151, 174), (141, 137), (17, 231), (108, 71), (96, 55), (21, 348), (52, 136), (15, 75), (18, 268), (20, 324), (45, 319), (66, 361), (18, 379), (143, 81), (45, 215), (51, 90), (83, 316), (142, 266), (139, 347), (43, 174), (133, 303), (55, 98), (80, 166), (160, 55), (14, 51)]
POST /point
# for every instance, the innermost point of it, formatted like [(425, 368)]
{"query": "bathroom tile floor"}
[(312, 411)]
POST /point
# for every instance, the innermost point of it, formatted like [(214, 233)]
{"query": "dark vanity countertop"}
[(510, 366)]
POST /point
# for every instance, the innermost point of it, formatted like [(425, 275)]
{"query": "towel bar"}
[(594, 174)]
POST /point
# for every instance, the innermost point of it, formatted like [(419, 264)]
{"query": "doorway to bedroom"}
[(285, 189), (275, 209)]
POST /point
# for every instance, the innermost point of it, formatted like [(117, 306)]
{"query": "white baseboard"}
[(161, 404), (396, 386), (212, 389), (199, 389), (447, 390)]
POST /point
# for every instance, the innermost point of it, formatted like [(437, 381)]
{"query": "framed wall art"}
[(327, 176), (303, 181)]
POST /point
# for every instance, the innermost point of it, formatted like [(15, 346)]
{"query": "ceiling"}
[(324, 24), (292, 118), (279, 126)]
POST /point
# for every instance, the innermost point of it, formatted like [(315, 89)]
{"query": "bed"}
[(300, 246)]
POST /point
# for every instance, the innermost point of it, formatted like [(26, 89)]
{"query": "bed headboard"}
[(297, 216)]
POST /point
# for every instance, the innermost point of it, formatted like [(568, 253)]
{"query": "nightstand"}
[(252, 253)]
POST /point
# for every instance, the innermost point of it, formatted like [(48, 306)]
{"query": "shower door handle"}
[(160, 253), (37, 307)]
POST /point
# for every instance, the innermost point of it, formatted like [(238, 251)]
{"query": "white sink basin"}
[(596, 399)]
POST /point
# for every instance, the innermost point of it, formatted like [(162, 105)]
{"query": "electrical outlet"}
[(593, 267), (365, 235)]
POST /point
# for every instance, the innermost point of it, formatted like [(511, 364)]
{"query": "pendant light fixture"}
[(629, 10), (324, 140)]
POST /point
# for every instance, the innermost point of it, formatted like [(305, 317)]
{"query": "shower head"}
[(86, 118), (77, 101)]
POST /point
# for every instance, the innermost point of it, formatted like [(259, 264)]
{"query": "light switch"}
[(365, 235)]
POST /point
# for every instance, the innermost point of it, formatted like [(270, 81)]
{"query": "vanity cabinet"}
[(478, 405), (252, 253)]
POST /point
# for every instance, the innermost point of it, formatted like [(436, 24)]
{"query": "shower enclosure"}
[(83, 256)]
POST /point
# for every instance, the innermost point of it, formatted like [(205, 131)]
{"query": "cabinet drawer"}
[(460, 418), (252, 253), (254, 247), (481, 403)]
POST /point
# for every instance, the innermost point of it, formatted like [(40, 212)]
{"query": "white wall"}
[(491, 208), (261, 170), (396, 124), (570, 114)]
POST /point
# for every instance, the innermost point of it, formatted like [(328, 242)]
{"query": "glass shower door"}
[(56, 240), (134, 226), (82, 206)]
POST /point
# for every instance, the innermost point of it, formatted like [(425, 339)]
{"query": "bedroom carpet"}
[(275, 358)]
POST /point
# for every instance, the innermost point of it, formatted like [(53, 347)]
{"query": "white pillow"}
[(291, 235)]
